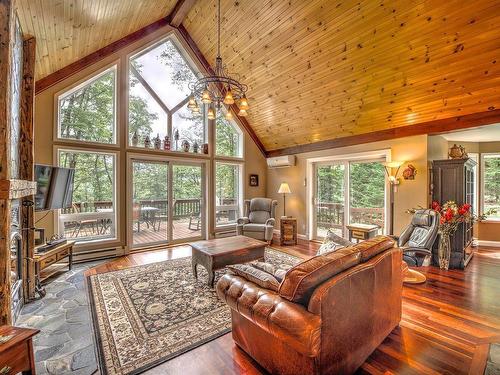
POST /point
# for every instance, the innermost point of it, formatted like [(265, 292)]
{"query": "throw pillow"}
[(333, 242), (278, 273), (255, 275)]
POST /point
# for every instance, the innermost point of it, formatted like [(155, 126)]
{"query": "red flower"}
[(435, 206), (442, 220), (465, 209), (448, 214)]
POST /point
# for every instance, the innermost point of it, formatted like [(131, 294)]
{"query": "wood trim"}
[(58, 76), (430, 127), (148, 88), (26, 163), (206, 65), (180, 11)]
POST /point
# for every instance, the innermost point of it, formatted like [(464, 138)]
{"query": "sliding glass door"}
[(149, 202), (167, 201), (348, 192)]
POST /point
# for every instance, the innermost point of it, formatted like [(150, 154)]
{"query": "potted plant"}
[(452, 215)]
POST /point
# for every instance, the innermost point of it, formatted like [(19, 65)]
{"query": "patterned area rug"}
[(149, 314)]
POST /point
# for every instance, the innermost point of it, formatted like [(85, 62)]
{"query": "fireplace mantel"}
[(15, 189)]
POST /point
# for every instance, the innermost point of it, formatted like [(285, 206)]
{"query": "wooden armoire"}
[(453, 180)]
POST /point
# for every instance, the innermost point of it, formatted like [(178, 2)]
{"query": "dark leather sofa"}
[(329, 314)]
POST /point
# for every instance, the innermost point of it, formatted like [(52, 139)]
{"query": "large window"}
[(347, 192), (158, 94), (87, 112), (93, 213), (491, 185), (227, 193), (228, 137)]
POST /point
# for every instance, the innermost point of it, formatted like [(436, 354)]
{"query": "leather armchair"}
[(258, 221), (328, 315), (417, 239)]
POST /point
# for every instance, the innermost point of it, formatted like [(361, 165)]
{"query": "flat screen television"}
[(54, 187)]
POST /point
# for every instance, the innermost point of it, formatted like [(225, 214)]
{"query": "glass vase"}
[(444, 251)]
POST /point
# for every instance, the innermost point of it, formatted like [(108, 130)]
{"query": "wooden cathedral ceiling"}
[(68, 30), (317, 70)]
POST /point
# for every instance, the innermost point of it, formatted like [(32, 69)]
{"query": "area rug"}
[(149, 314)]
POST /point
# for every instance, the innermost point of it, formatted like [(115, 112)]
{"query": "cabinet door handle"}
[(5, 370)]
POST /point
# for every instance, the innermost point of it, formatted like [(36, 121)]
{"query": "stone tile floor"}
[(65, 344), (493, 364)]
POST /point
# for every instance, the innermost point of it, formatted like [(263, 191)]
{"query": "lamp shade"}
[(393, 164), (284, 188)]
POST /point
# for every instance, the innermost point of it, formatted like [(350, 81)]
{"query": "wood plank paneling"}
[(68, 30), (322, 70)]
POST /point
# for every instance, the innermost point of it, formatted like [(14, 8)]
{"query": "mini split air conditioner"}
[(281, 161)]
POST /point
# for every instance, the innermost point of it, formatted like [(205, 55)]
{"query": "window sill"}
[(490, 221), (154, 151)]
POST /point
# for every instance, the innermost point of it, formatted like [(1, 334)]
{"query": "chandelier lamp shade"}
[(219, 88)]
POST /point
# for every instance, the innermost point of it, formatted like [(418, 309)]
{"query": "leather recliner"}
[(258, 221), (328, 315), (417, 239)]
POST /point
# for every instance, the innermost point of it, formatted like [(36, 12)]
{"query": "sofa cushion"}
[(332, 242), (254, 227), (277, 272), (301, 280), (255, 275)]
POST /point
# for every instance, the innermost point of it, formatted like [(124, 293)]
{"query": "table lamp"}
[(284, 189)]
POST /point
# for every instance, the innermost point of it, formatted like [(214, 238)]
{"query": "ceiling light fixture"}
[(219, 88)]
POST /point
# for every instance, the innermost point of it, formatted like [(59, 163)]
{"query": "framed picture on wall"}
[(254, 180)]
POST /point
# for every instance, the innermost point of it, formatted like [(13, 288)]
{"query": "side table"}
[(16, 354), (362, 231), (288, 231)]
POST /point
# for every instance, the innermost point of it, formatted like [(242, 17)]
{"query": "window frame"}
[(91, 244), (89, 79), (482, 195), (241, 193), (184, 52), (241, 139)]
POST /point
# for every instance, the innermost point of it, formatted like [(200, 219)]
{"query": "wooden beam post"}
[(26, 164), (180, 11), (6, 32)]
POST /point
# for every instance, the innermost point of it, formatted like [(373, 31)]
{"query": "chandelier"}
[(218, 88)]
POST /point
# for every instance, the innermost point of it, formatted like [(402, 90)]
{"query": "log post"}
[(6, 32), (26, 149)]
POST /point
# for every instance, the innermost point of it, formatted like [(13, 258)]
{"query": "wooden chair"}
[(84, 224), (136, 215)]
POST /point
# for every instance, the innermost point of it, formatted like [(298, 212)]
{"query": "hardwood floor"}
[(446, 327)]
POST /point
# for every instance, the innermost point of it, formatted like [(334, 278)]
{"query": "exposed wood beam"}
[(430, 127), (206, 65), (69, 70), (26, 163), (180, 11)]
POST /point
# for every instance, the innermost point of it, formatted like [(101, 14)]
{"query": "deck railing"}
[(331, 215)]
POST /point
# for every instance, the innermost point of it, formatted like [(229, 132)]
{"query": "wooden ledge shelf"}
[(15, 189)]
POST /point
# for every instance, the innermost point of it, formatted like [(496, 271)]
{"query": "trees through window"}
[(491, 186), (87, 112)]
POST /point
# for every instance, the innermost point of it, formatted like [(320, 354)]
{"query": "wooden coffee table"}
[(218, 253)]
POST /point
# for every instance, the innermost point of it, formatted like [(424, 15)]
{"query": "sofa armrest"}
[(270, 222), (416, 250), (285, 320), (242, 221)]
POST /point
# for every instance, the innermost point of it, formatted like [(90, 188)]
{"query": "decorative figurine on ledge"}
[(157, 142), (135, 139), (196, 147), (166, 143), (457, 152), (176, 138), (204, 148), (185, 145), (147, 142)]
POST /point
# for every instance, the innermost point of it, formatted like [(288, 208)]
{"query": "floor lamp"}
[(394, 182), (284, 189)]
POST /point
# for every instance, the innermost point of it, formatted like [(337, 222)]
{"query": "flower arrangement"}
[(452, 215)]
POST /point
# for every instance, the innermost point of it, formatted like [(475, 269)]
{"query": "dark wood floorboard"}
[(446, 327)]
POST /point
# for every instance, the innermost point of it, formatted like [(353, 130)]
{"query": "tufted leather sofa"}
[(329, 314)]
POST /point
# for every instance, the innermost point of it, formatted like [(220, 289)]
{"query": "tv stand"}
[(47, 263)]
